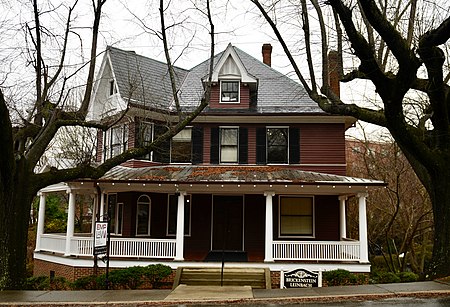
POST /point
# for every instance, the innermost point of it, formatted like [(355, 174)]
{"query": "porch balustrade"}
[(120, 247), (327, 251)]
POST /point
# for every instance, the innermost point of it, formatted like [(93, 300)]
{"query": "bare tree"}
[(25, 137), (398, 46), (399, 216)]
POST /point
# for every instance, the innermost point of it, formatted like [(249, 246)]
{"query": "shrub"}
[(340, 277), (384, 278), (155, 273), (408, 276), (45, 283), (86, 283)]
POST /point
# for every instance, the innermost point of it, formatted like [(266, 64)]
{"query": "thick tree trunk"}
[(440, 198), (16, 196)]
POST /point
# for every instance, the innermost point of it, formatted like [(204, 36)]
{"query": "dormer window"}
[(229, 91), (112, 87)]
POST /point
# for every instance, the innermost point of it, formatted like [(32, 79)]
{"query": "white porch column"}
[(343, 222), (94, 213), (41, 221), (70, 222), (268, 256), (180, 228), (364, 251), (102, 207)]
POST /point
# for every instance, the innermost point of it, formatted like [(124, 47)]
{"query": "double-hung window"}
[(278, 145), (115, 141), (181, 151), (229, 145), (296, 216), (115, 214), (146, 137), (172, 215), (229, 91), (143, 216)]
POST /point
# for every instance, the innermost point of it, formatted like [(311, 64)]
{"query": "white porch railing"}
[(120, 247), (324, 250)]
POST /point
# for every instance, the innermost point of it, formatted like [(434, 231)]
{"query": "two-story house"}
[(256, 180)]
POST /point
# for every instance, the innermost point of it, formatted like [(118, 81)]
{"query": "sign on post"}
[(100, 239), (301, 278)]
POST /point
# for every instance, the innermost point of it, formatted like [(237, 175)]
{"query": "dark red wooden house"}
[(257, 180)]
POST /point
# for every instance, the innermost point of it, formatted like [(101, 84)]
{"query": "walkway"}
[(191, 294)]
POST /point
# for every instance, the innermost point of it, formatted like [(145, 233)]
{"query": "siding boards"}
[(244, 99), (327, 218), (322, 144), (254, 221)]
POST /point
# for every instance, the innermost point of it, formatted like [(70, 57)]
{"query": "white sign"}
[(101, 236)]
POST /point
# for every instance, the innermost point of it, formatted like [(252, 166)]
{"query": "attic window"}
[(112, 87), (229, 91)]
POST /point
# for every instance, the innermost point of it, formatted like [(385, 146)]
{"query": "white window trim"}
[(313, 236), (152, 138), (171, 141), (149, 203), (239, 91), (220, 145), (190, 216), (116, 228), (267, 145)]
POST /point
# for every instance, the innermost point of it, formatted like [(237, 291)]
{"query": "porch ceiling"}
[(231, 179)]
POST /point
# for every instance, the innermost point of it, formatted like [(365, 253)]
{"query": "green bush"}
[(341, 277), (44, 283), (384, 278), (155, 273), (129, 278), (86, 283), (408, 276)]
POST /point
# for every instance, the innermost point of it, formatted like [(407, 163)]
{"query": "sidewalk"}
[(211, 294)]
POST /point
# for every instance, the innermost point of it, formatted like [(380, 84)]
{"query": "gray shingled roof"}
[(147, 82), (143, 80), (230, 174)]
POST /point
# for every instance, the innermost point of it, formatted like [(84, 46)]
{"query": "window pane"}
[(277, 145), (229, 145), (229, 91), (143, 216), (182, 147), (296, 216)]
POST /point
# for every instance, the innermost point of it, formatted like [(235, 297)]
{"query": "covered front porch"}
[(254, 223)]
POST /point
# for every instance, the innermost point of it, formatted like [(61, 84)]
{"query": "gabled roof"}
[(143, 80), (147, 82)]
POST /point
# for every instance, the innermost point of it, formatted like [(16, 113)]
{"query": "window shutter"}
[(197, 145), (162, 153), (243, 145), (294, 145), (214, 158), (261, 146)]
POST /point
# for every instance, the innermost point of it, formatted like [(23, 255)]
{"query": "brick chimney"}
[(267, 54), (334, 72)]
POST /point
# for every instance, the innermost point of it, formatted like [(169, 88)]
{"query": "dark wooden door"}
[(228, 223)]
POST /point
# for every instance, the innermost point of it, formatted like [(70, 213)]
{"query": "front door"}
[(228, 220)]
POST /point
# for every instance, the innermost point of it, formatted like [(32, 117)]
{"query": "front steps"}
[(258, 278)]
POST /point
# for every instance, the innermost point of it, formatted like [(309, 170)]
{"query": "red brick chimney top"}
[(267, 54), (333, 72)]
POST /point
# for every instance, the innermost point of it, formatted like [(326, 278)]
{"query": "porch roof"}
[(231, 174)]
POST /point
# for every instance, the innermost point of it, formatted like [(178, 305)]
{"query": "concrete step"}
[(254, 277)]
